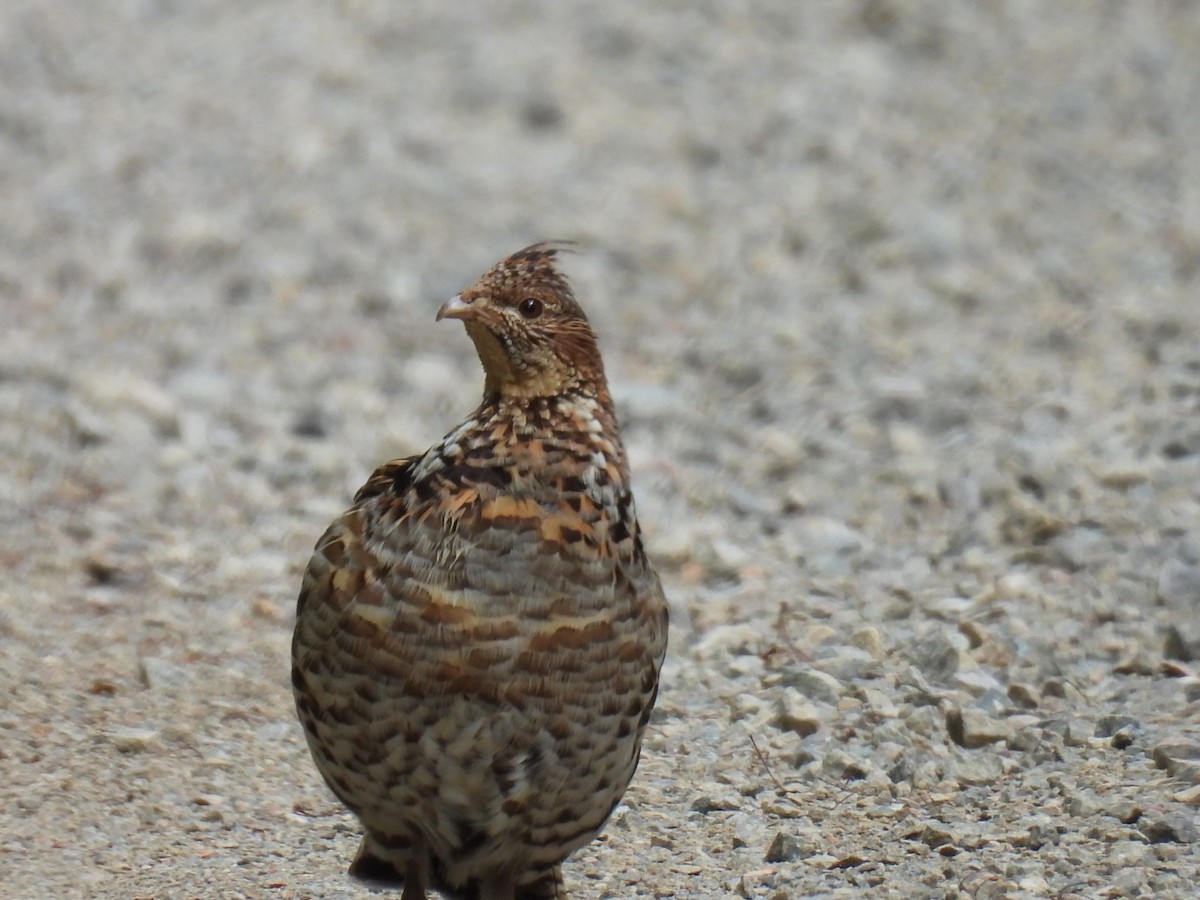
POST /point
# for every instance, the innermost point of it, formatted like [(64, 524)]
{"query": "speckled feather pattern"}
[(479, 637)]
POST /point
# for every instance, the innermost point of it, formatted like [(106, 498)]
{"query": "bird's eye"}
[(531, 307)]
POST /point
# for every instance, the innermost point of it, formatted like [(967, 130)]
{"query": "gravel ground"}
[(899, 304)]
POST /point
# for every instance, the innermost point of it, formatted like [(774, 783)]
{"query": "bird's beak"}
[(456, 308)]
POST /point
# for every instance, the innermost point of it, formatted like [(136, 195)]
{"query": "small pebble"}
[(794, 713), (973, 729), (133, 740), (785, 848)]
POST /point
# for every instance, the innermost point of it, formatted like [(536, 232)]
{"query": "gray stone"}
[(847, 662), (1078, 548), (975, 769), (973, 729), (794, 713), (1023, 695), (936, 835), (937, 655), (813, 684), (1073, 731), (1174, 829), (721, 801), (1026, 740), (133, 740), (1124, 810), (1178, 756), (1180, 645), (1119, 728), (785, 848), (161, 673), (1179, 585), (986, 688), (1039, 832), (869, 641), (1082, 802)]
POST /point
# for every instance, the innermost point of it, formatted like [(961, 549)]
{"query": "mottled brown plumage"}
[(478, 638)]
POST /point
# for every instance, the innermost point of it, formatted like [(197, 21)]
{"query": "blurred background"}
[(897, 300)]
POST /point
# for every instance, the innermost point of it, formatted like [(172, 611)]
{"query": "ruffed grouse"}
[(478, 639)]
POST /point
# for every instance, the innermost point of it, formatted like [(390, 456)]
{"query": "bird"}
[(479, 637)]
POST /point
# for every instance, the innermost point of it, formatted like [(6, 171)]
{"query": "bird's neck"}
[(578, 412), (511, 389), (577, 425)]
